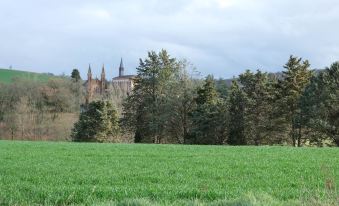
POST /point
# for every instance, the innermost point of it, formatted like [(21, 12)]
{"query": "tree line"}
[(170, 105)]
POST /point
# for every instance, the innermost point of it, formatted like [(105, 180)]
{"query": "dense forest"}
[(171, 104)]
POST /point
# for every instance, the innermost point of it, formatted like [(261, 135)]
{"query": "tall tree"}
[(146, 111), (295, 79), (257, 89), (321, 106), (236, 133), (210, 115), (181, 101)]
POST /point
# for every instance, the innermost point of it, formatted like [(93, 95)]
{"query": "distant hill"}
[(7, 75), (278, 75)]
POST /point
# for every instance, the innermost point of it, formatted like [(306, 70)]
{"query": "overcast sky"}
[(221, 37)]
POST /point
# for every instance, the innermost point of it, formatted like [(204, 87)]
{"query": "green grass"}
[(118, 174), (6, 76)]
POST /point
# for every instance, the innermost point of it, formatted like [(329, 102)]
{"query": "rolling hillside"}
[(6, 75)]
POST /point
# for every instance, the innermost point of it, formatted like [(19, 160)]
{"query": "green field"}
[(6, 76), (108, 174)]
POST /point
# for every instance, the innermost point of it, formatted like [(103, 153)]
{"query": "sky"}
[(219, 37)]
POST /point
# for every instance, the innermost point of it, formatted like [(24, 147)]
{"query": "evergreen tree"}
[(76, 75), (222, 88), (331, 102), (236, 133), (209, 117), (207, 94), (321, 105), (312, 108), (99, 123), (147, 110), (295, 79), (257, 90)]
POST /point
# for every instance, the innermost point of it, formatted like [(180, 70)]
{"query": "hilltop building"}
[(123, 82), (95, 87)]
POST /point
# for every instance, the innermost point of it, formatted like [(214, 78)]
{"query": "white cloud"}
[(198, 5), (95, 13), (225, 3)]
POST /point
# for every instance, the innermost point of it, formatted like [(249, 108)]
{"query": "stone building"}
[(98, 87), (123, 82)]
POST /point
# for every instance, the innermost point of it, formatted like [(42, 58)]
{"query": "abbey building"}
[(96, 87)]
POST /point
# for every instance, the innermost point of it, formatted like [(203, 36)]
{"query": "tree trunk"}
[(185, 127), (293, 135), (256, 142), (299, 132), (336, 140), (294, 138), (299, 137)]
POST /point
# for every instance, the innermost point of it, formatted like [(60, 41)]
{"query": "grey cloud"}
[(56, 36)]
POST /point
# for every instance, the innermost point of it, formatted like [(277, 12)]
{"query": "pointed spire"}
[(121, 68), (103, 76), (121, 63), (89, 73), (103, 69), (89, 69)]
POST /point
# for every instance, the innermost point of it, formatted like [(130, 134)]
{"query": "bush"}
[(98, 123)]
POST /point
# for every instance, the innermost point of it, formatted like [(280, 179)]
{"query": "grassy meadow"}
[(7, 75), (47, 173)]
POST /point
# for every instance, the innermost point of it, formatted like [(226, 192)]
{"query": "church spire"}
[(103, 69), (89, 84), (89, 69), (121, 69), (103, 80), (89, 73), (103, 75)]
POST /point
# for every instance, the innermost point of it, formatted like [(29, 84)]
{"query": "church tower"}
[(89, 78), (121, 69), (103, 80), (89, 84)]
